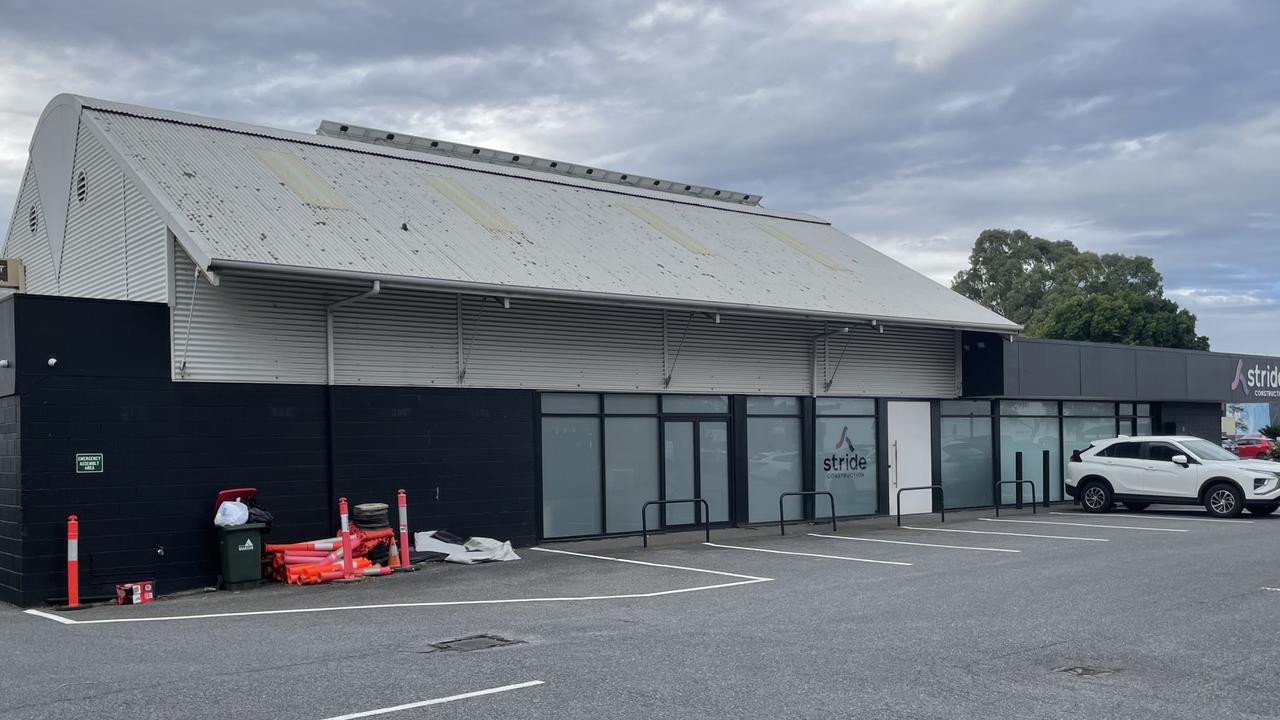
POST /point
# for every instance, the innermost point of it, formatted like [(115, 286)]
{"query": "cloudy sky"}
[(1142, 126)]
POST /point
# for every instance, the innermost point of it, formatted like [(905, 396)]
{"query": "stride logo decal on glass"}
[(845, 465), (849, 462), (1259, 380)]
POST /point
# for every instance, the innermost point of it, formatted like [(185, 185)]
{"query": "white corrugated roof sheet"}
[(238, 195)]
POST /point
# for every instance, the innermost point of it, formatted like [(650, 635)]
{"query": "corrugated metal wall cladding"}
[(250, 329), (33, 248), (93, 250), (255, 329), (566, 238), (913, 362), (114, 245), (396, 338), (145, 256)]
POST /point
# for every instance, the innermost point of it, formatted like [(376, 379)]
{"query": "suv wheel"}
[(1095, 497), (1263, 509), (1136, 506), (1224, 500)]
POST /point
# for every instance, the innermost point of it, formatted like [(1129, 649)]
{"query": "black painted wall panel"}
[(465, 456), (11, 546)]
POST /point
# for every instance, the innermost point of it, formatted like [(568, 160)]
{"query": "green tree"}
[(1122, 318), (1054, 289), (1272, 431)]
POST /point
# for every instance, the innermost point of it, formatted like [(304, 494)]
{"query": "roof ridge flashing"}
[(463, 151)]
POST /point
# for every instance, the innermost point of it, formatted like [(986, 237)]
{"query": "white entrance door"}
[(910, 456)]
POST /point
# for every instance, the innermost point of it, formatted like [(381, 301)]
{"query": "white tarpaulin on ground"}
[(475, 550)]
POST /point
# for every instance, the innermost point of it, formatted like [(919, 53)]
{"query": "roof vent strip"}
[(471, 152)]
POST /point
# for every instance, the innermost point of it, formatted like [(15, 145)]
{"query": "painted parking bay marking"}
[(1153, 517), (917, 544), (1084, 525), (740, 580), (1010, 534), (436, 701), (812, 555)]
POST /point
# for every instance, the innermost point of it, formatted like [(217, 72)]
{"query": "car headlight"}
[(1259, 483)]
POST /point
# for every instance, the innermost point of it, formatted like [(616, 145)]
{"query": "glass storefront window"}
[(967, 461), (631, 404), (695, 404), (1126, 408), (1144, 409), (773, 467), (577, 403), (966, 407), (1144, 426), (713, 456), (845, 406), (1089, 409), (845, 464), (1077, 433), (1029, 407), (1031, 436), (630, 471), (773, 406), (570, 476)]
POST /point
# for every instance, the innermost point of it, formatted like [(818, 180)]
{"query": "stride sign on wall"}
[(88, 463), (1259, 380)]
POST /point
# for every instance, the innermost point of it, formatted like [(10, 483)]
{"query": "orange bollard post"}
[(347, 570), (403, 502), (73, 565)]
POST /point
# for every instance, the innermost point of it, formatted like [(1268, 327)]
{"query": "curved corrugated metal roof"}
[(251, 197)]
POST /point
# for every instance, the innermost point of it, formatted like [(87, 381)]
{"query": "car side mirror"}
[(1181, 460)]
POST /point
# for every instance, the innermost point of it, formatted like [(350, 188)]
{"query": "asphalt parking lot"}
[(1053, 615)]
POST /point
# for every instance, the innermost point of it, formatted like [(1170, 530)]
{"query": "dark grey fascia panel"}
[(1053, 370), (1108, 372), (1161, 375), (1036, 368)]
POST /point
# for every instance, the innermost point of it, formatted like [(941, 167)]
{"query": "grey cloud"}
[(1148, 127)]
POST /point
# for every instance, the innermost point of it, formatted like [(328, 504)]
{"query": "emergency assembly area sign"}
[(88, 462)]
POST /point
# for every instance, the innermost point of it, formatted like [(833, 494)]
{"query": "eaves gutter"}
[(610, 299)]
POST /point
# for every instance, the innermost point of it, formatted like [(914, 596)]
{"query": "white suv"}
[(1139, 471)]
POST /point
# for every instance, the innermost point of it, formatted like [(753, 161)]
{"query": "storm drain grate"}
[(474, 642), (1083, 671)]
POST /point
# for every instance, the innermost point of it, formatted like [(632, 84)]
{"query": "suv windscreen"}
[(1206, 450)]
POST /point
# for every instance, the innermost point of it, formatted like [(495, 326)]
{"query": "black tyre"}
[(1224, 500), (1095, 497), (1137, 507), (1263, 509)]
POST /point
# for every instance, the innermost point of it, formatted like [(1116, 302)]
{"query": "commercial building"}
[(532, 348)]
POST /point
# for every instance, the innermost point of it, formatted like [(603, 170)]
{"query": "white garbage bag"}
[(231, 513)]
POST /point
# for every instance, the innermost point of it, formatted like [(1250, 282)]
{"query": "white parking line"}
[(1272, 589), (1086, 525), (1151, 517), (437, 701), (917, 544), (1011, 534), (815, 555), (658, 565), (743, 580)]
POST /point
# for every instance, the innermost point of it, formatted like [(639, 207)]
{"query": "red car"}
[(1252, 447)]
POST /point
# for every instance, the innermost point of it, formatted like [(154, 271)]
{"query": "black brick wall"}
[(10, 500), (466, 457), (168, 449)]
